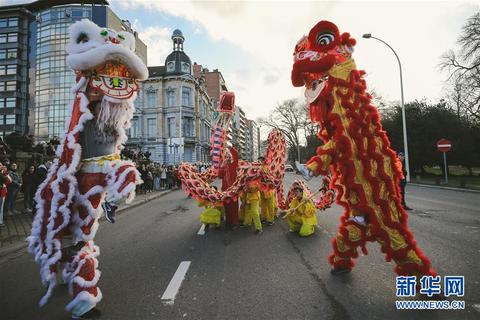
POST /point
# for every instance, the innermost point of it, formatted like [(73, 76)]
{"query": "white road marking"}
[(201, 232), (170, 293)]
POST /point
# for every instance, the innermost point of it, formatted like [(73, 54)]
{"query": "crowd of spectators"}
[(155, 176)]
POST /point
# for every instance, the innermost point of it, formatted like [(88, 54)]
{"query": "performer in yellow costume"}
[(212, 215), (268, 206), (252, 212), (302, 216)]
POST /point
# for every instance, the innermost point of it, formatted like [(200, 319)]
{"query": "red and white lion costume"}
[(67, 202)]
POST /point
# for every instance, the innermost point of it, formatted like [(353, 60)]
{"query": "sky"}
[(251, 42)]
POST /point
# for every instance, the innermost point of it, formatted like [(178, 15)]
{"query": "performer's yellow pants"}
[(305, 226), (252, 214), (268, 208), (211, 216)]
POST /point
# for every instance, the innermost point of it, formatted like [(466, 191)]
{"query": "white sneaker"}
[(306, 174)]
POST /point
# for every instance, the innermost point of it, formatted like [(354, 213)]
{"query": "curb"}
[(445, 188), (20, 245), (16, 247)]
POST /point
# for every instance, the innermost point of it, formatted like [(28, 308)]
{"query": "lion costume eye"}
[(104, 33), (82, 38), (325, 38), (121, 37)]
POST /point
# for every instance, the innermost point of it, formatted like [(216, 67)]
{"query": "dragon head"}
[(323, 53), (107, 58)]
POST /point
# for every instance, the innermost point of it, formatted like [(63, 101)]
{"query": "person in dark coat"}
[(28, 188), (12, 189), (403, 182)]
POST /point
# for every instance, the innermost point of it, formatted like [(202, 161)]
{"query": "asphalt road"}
[(239, 275)]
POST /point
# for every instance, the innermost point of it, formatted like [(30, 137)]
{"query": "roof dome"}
[(178, 62), (177, 33)]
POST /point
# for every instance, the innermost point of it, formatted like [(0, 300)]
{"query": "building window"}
[(151, 127), (7, 102), (11, 53), (188, 127), (12, 37), (185, 67), (186, 93), (171, 127), (13, 22), (10, 119), (8, 22), (171, 66), (171, 98), (3, 38), (11, 69), (8, 85), (152, 99), (134, 128)]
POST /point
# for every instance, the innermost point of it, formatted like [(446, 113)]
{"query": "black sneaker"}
[(258, 231), (407, 208), (93, 314), (109, 210), (339, 271), (270, 223)]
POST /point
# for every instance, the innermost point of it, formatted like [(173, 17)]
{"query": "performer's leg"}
[(231, 209), (306, 230), (256, 220), (248, 218), (403, 250), (293, 225), (82, 275), (270, 210), (349, 237), (91, 188)]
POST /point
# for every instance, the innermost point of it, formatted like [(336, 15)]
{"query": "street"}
[(239, 275)]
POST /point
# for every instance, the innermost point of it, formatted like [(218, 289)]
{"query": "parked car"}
[(289, 168)]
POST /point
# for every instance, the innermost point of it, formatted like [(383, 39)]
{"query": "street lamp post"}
[(404, 121)]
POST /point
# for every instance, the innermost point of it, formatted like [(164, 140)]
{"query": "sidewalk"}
[(18, 226), (426, 185)]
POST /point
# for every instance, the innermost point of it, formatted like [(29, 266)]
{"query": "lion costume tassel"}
[(88, 169), (366, 171)]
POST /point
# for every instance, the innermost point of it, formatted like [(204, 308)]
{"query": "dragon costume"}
[(356, 150), (88, 169), (268, 174)]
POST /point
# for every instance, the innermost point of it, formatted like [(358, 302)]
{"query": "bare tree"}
[(289, 118), (310, 128), (463, 67)]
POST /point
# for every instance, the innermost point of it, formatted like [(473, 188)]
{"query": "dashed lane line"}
[(170, 293), (201, 232)]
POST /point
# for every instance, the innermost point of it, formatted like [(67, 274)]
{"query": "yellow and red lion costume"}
[(366, 171)]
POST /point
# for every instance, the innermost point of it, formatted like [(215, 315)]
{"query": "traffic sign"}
[(444, 145)]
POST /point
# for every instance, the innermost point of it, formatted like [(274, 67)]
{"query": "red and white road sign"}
[(444, 145)]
